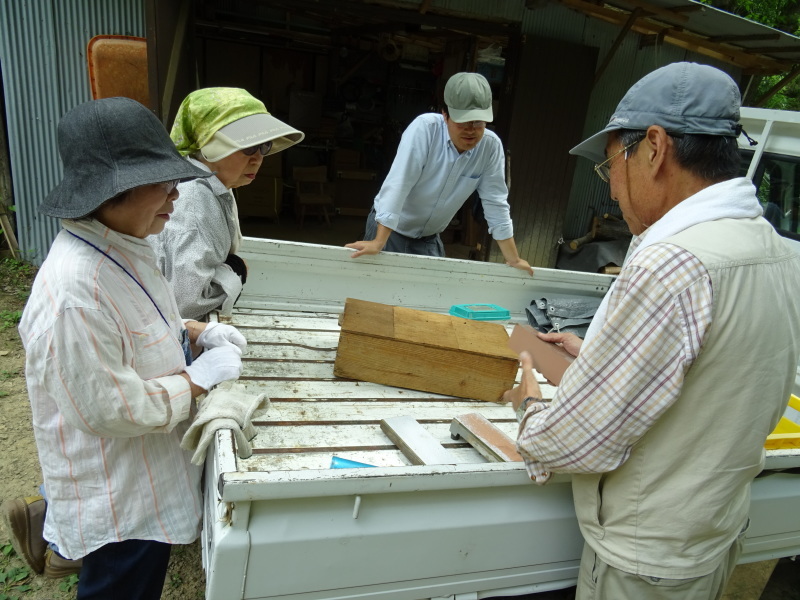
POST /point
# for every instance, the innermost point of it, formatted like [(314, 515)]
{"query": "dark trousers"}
[(429, 245), (129, 570)]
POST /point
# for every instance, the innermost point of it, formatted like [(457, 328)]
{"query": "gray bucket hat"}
[(683, 98), (108, 147)]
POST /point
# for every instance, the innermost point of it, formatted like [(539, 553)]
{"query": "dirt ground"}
[(21, 475)]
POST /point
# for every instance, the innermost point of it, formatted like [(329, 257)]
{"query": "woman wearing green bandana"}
[(227, 132)]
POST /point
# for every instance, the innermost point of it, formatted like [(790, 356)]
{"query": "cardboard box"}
[(424, 351), (551, 360)]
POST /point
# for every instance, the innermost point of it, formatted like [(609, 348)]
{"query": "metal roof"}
[(755, 48)]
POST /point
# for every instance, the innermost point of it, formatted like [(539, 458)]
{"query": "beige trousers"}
[(599, 581)]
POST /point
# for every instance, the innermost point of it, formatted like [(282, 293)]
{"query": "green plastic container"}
[(480, 312)]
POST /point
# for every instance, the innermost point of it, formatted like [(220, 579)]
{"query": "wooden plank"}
[(415, 442), (287, 370), (487, 439), (326, 340), (263, 321), (8, 232), (425, 351), (350, 390), (295, 352), (308, 411), (351, 436)]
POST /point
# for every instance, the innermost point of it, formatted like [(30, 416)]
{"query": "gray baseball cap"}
[(683, 98), (468, 98), (108, 147)]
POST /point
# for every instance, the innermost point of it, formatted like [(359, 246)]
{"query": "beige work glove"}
[(227, 406)]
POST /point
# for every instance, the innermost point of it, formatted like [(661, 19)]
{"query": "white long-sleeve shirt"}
[(109, 406), (429, 181)]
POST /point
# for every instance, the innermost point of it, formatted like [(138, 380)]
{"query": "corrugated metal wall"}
[(589, 195), (43, 58)]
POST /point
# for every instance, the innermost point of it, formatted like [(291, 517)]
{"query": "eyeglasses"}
[(170, 186), (262, 148), (470, 124), (603, 170)]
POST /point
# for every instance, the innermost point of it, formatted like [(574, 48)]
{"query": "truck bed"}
[(283, 524), (314, 416)]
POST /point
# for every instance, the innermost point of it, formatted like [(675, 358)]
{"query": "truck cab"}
[(774, 166)]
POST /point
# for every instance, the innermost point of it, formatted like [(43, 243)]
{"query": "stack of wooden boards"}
[(424, 351)]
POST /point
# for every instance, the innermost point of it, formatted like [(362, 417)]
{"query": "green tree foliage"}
[(783, 15)]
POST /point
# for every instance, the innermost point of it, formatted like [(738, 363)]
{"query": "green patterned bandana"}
[(205, 111)]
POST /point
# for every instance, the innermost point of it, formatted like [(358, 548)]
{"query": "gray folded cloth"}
[(227, 406), (563, 313)]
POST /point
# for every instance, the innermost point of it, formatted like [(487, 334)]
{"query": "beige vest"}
[(679, 501)]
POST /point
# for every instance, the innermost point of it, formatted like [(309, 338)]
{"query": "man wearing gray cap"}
[(441, 160), (659, 419)]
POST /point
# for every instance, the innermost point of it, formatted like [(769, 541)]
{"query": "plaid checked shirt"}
[(629, 373)]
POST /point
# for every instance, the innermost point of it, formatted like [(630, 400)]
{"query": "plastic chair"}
[(312, 192)]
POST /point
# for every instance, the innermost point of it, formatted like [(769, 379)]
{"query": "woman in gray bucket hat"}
[(109, 362)]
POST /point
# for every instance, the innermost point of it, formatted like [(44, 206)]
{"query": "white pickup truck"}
[(774, 165), (285, 525)]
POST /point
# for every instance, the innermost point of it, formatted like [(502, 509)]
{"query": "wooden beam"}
[(8, 232), (682, 39), (485, 437), (174, 58), (634, 16), (415, 442)]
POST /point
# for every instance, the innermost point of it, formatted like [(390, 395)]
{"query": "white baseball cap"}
[(468, 98)]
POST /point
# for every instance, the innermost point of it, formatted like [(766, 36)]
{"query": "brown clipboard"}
[(551, 360)]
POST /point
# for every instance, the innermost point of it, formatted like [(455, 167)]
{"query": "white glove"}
[(216, 365), (218, 334)]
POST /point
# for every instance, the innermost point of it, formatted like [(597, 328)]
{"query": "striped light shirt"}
[(109, 408), (429, 181), (627, 375)]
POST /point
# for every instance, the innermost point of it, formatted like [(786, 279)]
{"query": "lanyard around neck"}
[(111, 258)]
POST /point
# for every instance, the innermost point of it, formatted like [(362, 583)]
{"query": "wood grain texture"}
[(424, 351), (485, 437), (415, 442)]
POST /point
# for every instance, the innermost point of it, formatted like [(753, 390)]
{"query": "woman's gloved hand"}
[(216, 365), (218, 334)]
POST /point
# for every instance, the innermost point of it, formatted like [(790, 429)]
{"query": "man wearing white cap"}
[(442, 159), (659, 419)]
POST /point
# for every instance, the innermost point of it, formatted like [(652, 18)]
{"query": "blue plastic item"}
[(342, 463), (480, 312)]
